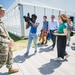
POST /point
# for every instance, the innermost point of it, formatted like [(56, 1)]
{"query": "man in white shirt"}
[(53, 25)]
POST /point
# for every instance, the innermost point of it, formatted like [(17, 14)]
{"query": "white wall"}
[(27, 9), (40, 12), (12, 21)]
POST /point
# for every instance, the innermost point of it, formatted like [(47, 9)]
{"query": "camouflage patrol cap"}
[(1, 7)]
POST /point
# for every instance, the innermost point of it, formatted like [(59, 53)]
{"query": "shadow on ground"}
[(4, 73), (73, 48), (45, 49), (21, 59), (49, 68), (73, 43), (40, 45)]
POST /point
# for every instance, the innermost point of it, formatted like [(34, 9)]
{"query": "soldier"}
[(6, 55)]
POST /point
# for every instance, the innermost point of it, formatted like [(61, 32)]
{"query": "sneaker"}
[(56, 59), (45, 42), (67, 45), (35, 51), (52, 48), (26, 54), (42, 43), (11, 70), (66, 56)]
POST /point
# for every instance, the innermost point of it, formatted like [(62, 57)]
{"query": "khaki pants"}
[(6, 57), (68, 35)]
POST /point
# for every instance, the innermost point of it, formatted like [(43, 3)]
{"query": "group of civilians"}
[(60, 29)]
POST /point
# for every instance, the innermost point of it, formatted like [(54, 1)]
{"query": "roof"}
[(33, 4), (30, 4), (40, 5)]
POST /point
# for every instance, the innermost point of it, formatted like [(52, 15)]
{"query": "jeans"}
[(68, 35), (32, 36), (53, 37)]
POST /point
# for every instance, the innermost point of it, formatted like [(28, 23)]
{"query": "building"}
[(14, 20)]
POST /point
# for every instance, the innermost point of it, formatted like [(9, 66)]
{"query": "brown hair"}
[(45, 17), (63, 17)]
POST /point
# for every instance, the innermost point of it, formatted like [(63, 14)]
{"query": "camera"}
[(27, 18)]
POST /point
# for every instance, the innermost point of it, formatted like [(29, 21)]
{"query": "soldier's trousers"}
[(6, 57)]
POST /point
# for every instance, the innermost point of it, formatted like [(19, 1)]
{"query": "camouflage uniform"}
[(6, 55)]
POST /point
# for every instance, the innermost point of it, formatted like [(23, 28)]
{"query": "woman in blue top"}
[(33, 33), (61, 40)]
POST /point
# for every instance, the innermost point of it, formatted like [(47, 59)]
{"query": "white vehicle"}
[(14, 20)]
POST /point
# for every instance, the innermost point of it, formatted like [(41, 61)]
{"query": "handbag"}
[(71, 34), (48, 36)]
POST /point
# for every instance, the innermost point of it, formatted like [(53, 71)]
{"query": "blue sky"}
[(6, 3)]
